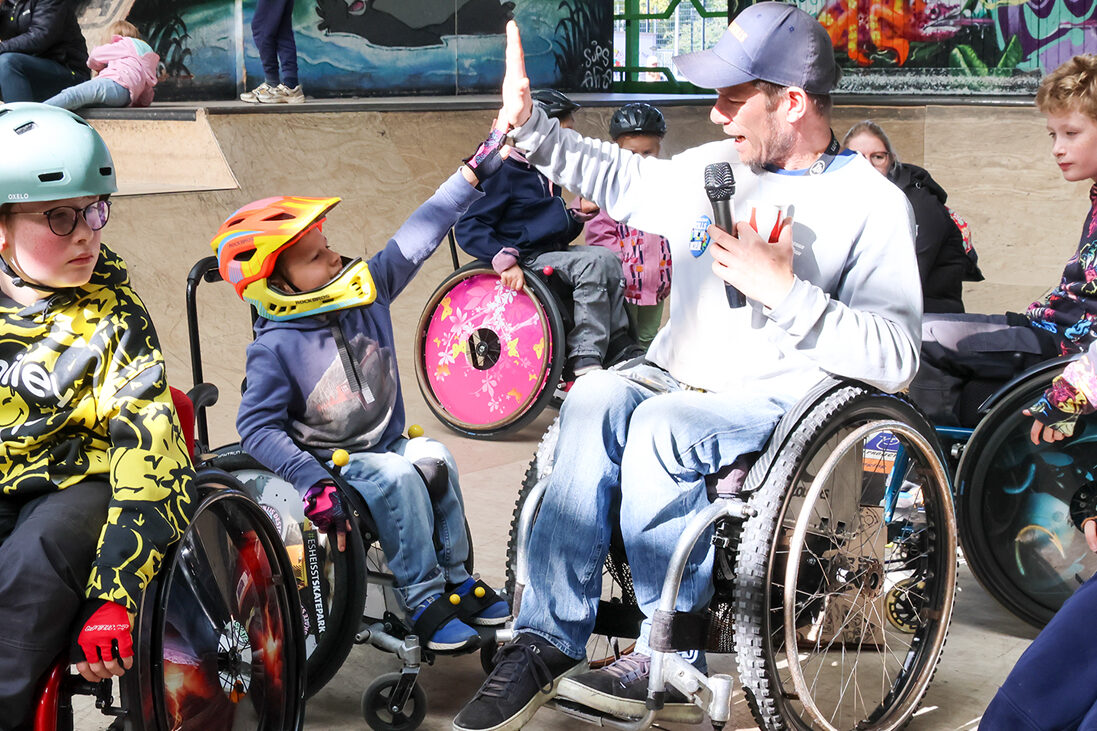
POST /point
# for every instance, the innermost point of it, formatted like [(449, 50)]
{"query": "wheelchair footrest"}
[(587, 715)]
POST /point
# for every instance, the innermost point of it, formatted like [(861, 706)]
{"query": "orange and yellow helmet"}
[(248, 244)]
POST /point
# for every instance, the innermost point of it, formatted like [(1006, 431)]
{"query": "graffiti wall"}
[(954, 46), (370, 47)]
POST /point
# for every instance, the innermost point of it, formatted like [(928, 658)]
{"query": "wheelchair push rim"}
[(845, 578), (488, 358), (221, 646), (1020, 507), (331, 585)]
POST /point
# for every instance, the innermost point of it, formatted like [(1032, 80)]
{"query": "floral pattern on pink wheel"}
[(487, 350)]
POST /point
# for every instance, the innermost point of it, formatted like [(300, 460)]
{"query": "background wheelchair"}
[(347, 597), (1020, 506), (835, 572), (218, 643), (488, 359)]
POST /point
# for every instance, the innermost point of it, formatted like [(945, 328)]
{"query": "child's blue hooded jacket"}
[(297, 386)]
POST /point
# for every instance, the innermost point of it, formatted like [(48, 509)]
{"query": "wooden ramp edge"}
[(166, 155)]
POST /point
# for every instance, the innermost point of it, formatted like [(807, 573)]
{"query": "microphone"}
[(720, 187)]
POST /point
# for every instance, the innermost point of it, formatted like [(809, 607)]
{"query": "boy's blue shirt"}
[(519, 210), (297, 387)]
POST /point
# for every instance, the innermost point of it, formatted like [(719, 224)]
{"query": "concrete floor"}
[(984, 643)]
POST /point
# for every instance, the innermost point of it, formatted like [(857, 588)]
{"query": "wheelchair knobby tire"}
[(618, 622), (1019, 506), (881, 578), (220, 644), (447, 407)]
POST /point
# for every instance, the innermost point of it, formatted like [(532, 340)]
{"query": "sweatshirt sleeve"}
[(150, 470), (46, 28), (625, 185), (263, 421), (876, 311), (100, 56), (420, 235)]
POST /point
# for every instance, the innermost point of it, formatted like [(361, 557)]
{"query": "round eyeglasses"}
[(62, 219)]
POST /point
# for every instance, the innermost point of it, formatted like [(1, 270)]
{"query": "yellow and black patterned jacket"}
[(83, 393)]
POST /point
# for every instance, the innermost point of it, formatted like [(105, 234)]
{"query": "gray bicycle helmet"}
[(555, 104), (637, 118), (50, 154)]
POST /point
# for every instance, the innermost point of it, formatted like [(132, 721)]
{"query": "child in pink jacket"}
[(127, 73)]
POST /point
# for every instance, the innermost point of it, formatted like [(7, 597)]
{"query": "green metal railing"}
[(632, 14)]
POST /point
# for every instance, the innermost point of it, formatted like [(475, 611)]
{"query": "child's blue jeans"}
[(98, 92), (407, 520)]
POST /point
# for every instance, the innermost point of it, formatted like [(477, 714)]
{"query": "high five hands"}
[(517, 100), (760, 270)]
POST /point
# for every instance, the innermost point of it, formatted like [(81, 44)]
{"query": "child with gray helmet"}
[(645, 257), (97, 479)]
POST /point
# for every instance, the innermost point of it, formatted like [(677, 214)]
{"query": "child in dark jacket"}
[(322, 375), (522, 219)]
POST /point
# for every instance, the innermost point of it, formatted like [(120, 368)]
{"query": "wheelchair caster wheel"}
[(378, 713)]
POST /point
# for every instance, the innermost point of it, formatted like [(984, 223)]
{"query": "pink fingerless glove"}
[(486, 161), (324, 507)]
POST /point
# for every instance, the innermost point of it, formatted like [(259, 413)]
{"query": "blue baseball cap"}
[(770, 41)]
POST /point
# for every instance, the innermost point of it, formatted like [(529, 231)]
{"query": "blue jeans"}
[(98, 92), (26, 78), (272, 31), (407, 521), (627, 455)]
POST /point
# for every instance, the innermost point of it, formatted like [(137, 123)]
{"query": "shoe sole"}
[(522, 717), (471, 642), (486, 622), (596, 700)]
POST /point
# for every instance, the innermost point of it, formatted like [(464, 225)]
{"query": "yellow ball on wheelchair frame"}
[(415, 431), (340, 457), (454, 599)]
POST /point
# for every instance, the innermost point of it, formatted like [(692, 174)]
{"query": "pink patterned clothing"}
[(645, 258), (129, 62), (1070, 395)]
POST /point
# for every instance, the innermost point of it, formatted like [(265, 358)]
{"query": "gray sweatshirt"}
[(854, 310)]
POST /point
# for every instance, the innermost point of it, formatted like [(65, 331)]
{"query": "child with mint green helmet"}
[(95, 474)]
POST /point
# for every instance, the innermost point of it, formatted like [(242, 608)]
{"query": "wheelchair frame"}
[(713, 693)]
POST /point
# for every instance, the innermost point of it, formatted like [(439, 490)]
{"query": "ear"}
[(797, 103)]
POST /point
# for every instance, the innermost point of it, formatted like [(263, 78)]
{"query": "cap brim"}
[(708, 70)]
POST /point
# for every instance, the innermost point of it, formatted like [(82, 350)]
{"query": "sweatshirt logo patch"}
[(698, 236), (30, 377)]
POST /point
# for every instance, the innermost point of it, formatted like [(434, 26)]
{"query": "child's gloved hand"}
[(324, 507), (105, 639), (488, 158)]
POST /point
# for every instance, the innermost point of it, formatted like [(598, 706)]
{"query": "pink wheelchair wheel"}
[(488, 356)]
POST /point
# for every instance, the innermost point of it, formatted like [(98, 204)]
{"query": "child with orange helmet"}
[(322, 375)]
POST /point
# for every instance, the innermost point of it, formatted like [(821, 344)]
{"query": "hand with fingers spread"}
[(517, 100), (760, 270), (105, 641)]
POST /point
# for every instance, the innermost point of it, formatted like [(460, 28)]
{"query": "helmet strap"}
[(18, 281)]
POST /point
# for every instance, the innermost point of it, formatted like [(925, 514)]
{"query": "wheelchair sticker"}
[(698, 236)]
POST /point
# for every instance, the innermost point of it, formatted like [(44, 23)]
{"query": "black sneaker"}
[(621, 689), (525, 677)]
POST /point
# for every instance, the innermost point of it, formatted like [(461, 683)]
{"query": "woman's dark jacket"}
[(44, 28)]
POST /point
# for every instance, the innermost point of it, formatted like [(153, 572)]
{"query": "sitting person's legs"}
[(674, 442), (594, 276), (398, 500), (47, 547), (959, 348), (27, 78)]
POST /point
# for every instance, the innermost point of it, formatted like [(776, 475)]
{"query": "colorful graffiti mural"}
[(977, 46), (371, 47)]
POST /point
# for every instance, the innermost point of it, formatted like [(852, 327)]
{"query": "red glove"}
[(109, 623)]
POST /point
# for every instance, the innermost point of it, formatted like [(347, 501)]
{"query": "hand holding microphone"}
[(760, 265)]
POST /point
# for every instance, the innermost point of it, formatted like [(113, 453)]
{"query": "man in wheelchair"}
[(837, 293), (97, 479)]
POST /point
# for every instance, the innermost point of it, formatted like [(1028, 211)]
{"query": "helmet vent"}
[(280, 216), (51, 177), (106, 172), (24, 128)]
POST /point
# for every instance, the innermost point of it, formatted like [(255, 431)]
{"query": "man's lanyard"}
[(819, 166)]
